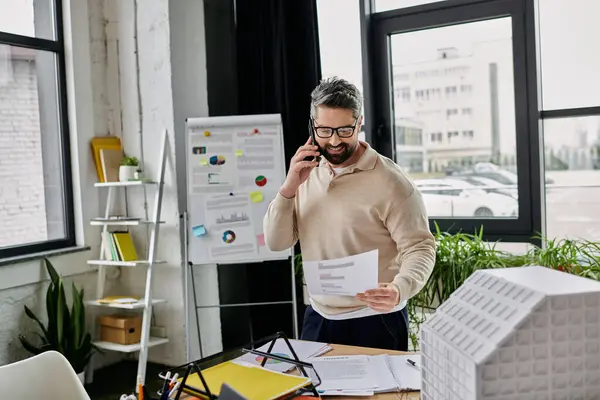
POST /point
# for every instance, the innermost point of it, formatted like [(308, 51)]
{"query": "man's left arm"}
[(408, 224), (406, 220)]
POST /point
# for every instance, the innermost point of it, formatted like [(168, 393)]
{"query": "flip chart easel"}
[(234, 168)]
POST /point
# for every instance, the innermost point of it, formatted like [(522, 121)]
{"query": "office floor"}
[(113, 381)]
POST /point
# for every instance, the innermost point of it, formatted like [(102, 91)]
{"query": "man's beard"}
[(338, 158)]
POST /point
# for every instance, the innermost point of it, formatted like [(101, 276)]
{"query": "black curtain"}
[(278, 62), (274, 47)]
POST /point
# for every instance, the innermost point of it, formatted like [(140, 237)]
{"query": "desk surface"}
[(341, 350)]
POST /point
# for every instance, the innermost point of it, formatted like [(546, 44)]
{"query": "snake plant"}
[(65, 331)]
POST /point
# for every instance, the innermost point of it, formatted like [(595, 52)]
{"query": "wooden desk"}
[(341, 350)]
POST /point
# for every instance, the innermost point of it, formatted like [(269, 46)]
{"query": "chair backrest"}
[(45, 376)]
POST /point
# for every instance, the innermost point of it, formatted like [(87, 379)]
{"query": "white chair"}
[(45, 376)]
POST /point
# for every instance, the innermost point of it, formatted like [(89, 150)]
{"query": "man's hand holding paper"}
[(382, 299)]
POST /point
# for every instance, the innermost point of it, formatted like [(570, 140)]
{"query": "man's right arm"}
[(279, 224)]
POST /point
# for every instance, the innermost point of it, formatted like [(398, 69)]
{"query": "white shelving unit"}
[(108, 263), (147, 302), (130, 348)]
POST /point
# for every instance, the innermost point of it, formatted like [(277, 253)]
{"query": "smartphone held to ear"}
[(311, 132)]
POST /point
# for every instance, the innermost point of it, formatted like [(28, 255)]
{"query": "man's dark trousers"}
[(383, 331)]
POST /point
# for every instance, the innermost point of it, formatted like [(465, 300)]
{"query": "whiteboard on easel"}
[(235, 166)]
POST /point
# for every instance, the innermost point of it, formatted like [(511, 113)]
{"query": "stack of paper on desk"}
[(304, 350), (367, 375)]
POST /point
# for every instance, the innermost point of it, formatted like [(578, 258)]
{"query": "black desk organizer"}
[(195, 367)]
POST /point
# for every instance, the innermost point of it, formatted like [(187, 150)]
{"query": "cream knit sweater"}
[(370, 205)]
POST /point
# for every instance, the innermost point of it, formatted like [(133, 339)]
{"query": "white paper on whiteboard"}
[(232, 230)]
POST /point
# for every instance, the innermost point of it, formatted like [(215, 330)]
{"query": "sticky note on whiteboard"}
[(204, 161), (256, 197), (199, 230), (239, 153)]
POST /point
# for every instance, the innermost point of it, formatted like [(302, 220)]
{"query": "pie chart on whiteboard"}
[(228, 236), (260, 180)]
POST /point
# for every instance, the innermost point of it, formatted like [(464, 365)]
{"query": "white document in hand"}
[(343, 276)]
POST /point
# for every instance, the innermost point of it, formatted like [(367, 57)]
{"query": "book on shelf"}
[(111, 161), (99, 143), (114, 218), (118, 246), (119, 300)]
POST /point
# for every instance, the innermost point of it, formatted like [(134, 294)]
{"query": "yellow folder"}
[(252, 382)]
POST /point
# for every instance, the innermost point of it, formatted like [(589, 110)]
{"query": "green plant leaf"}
[(28, 346), (54, 277), (31, 315), (77, 324), (62, 318), (51, 300)]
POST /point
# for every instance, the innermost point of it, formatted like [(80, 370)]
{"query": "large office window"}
[(36, 212), (491, 106), (568, 33), (450, 83)]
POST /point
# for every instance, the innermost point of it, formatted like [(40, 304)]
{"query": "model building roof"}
[(546, 280), (492, 304)]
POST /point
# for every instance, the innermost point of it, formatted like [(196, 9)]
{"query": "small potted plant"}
[(128, 169), (65, 331)]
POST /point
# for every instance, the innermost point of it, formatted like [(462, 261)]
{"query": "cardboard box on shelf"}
[(121, 329)]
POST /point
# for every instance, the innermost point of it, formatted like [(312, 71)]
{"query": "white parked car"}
[(491, 186), (457, 198)]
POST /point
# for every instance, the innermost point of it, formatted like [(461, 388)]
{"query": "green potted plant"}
[(457, 257), (128, 169), (65, 331)]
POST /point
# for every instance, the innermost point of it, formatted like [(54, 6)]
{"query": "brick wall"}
[(22, 201)]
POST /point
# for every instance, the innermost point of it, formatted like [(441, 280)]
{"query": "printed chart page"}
[(342, 276), (230, 217)]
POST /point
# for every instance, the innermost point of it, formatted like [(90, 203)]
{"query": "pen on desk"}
[(165, 388), (411, 362), (174, 390)]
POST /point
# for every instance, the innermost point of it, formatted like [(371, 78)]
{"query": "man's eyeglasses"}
[(325, 132)]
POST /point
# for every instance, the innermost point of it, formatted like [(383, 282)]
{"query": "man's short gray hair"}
[(336, 92)]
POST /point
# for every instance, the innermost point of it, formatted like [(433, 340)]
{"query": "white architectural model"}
[(515, 333)]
